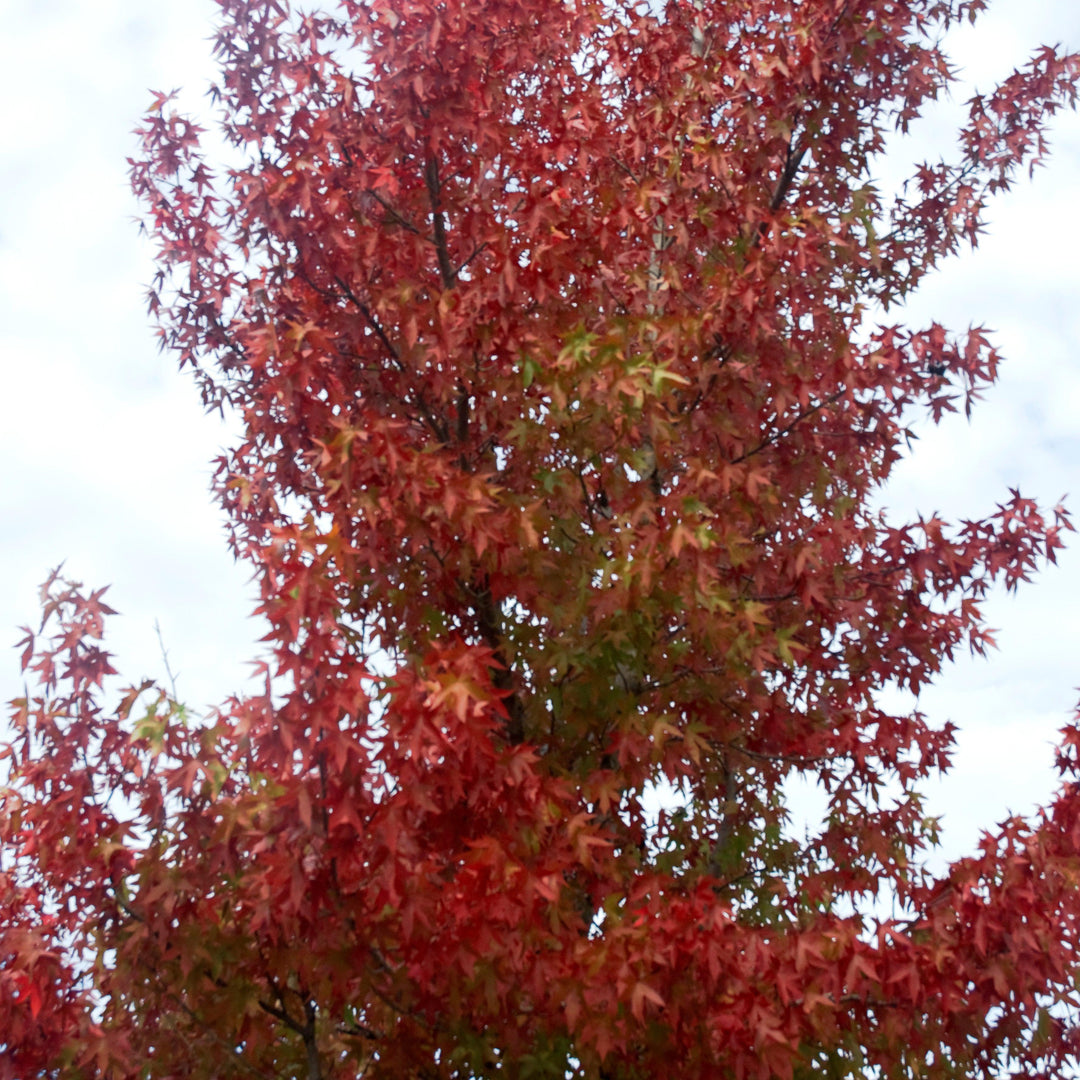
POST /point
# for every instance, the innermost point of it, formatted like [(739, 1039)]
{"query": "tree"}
[(548, 327)]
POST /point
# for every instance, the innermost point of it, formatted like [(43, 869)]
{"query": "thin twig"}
[(437, 426), (475, 251), (777, 435), (396, 218), (165, 661), (369, 318)]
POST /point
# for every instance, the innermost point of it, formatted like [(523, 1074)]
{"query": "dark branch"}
[(787, 177), (446, 266), (437, 426), (394, 218), (369, 318), (486, 614), (776, 436)]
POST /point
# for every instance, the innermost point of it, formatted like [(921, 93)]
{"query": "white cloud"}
[(105, 450)]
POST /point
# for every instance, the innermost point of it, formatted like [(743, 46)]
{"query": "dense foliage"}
[(564, 417)]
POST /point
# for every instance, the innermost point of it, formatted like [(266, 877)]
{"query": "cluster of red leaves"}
[(560, 441)]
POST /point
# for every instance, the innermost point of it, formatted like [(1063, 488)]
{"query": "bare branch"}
[(165, 661)]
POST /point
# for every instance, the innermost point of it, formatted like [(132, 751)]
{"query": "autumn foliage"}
[(556, 333)]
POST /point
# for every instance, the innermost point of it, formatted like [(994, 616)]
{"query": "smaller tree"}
[(561, 431)]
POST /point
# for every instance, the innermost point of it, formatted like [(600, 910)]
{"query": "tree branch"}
[(438, 221), (776, 436), (310, 1042), (502, 676), (792, 161), (436, 424), (787, 177), (369, 318), (481, 599), (395, 218)]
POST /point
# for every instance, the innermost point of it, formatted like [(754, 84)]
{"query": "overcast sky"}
[(105, 451)]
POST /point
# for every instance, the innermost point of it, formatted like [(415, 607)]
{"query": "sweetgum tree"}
[(549, 327)]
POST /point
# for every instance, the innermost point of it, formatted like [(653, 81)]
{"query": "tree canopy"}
[(560, 336)]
